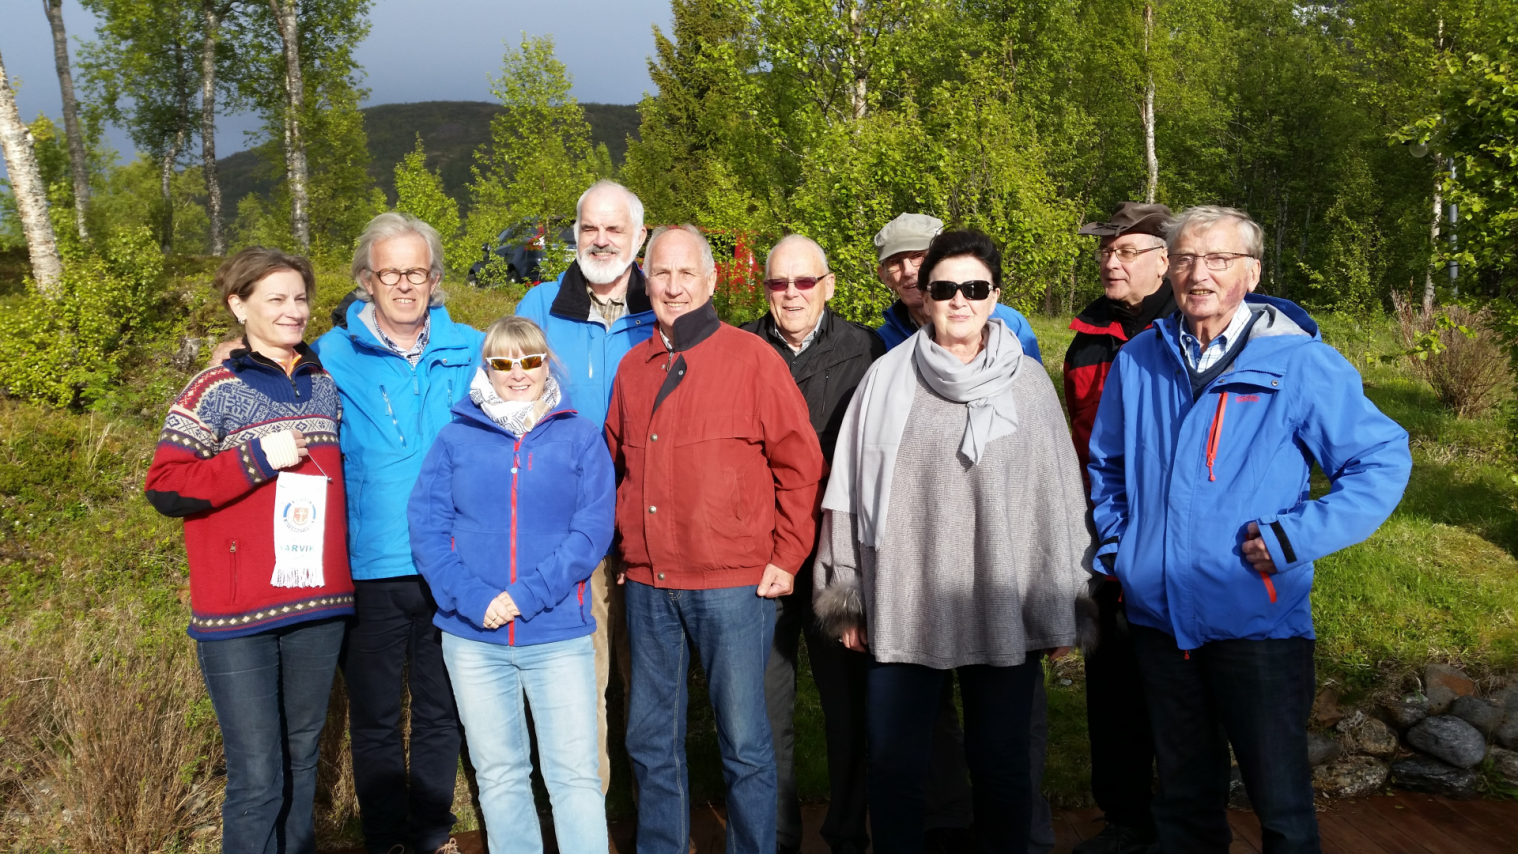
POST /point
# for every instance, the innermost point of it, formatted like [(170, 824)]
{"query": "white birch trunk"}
[(213, 16), (1151, 160), (78, 163), (287, 14), (31, 195)]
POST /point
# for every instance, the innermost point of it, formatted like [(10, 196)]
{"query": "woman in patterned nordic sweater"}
[(267, 642)]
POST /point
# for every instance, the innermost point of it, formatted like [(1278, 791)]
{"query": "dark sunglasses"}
[(978, 289), (803, 283), (503, 364)]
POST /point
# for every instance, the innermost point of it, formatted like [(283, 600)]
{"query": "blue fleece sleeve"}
[(1363, 452), (1022, 329), (589, 534), (430, 516), (1109, 490)]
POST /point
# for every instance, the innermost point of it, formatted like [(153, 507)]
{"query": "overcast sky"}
[(417, 50)]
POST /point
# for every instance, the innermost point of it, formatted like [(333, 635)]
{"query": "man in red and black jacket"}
[(1131, 261)]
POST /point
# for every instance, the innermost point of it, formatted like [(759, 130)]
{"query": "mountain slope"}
[(451, 131)]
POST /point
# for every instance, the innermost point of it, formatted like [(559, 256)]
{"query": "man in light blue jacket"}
[(597, 311), (400, 364), (1201, 453)]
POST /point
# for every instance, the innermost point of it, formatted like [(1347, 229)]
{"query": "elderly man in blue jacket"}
[(400, 363), (1204, 441), (597, 311)]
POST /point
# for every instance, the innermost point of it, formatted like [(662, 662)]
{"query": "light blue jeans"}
[(558, 681)]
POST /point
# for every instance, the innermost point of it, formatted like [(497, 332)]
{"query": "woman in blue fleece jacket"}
[(513, 510)]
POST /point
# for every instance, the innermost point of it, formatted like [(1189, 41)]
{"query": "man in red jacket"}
[(1131, 261), (717, 472)]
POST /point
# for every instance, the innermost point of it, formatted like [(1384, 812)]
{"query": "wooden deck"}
[(1403, 823)]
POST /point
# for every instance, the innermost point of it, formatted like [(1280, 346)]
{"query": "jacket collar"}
[(1283, 320), (466, 409), (443, 334), (691, 329), (1104, 316), (898, 316), (245, 358), (574, 303), (766, 328)]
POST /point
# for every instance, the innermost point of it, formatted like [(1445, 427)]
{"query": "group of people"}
[(615, 476)]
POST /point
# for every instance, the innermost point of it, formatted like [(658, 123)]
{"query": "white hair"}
[(1205, 217), (707, 261), (634, 204), (390, 225), (822, 255)]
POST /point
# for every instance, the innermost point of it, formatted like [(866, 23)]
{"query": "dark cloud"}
[(417, 50)]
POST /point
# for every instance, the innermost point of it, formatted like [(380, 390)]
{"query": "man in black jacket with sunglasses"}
[(828, 356)]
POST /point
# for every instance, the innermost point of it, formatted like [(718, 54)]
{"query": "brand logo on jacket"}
[(1247, 398)]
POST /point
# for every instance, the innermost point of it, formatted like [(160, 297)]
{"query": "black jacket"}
[(827, 371)]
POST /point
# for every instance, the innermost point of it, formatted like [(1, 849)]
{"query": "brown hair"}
[(241, 273)]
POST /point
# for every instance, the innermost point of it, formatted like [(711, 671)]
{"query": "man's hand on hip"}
[(776, 582), (1256, 552)]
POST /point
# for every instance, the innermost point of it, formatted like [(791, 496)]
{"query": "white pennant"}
[(300, 521)]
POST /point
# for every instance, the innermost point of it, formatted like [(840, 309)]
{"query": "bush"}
[(1457, 352), (70, 350)]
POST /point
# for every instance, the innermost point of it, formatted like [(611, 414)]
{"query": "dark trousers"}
[(903, 703), (270, 694), (1255, 695), (394, 626), (1117, 720)]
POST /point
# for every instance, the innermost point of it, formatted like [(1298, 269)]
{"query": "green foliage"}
[(540, 157), (71, 351), (419, 192)]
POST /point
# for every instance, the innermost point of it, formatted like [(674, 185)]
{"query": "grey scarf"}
[(865, 458)]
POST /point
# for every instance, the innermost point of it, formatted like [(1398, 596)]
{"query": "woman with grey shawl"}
[(954, 537)]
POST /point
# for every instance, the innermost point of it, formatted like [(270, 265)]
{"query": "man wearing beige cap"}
[(1131, 261), (901, 246)]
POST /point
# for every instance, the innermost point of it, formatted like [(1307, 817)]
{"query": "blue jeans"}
[(558, 681), (731, 629), (903, 706), (1254, 694), (270, 693)]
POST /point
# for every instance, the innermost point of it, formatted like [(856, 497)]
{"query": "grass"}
[(91, 581)]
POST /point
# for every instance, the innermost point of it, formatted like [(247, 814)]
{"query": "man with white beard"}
[(594, 314)]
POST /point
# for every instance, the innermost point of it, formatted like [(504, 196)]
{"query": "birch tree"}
[(78, 160), (287, 20), (31, 195), (213, 15)]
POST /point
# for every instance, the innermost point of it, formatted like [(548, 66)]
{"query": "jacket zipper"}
[(1215, 435), (511, 627), (391, 412), (582, 604), (232, 549)]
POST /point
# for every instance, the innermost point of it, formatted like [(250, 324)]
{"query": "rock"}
[(1429, 775), (1507, 698), (1484, 715), (1321, 749), (1351, 777), (1325, 708), (1443, 684), (1505, 763), (1507, 734), (1371, 737), (1404, 715), (1238, 798), (1449, 739)]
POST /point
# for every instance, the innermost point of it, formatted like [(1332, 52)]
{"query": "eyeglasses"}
[(503, 364), (896, 262), (803, 283), (977, 289), (1217, 262), (391, 278), (1124, 255)]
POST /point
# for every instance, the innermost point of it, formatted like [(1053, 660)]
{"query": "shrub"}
[(1457, 352), (68, 351)]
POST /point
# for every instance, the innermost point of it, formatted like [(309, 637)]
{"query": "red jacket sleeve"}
[(1083, 394), (189, 476)]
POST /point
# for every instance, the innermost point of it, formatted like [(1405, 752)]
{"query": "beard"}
[(602, 267)]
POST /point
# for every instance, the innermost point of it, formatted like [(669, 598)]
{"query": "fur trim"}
[(1088, 625), (840, 606)]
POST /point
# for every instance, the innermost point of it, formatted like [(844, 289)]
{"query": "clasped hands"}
[(775, 583), (501, 611)]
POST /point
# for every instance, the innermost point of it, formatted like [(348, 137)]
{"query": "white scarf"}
[(515, 416), (864, 460)]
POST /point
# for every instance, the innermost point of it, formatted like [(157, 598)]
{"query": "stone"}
[(1351, 777), (1443, 684), (1505, 763), (1507, 734), (1372, 737), (1325, 708), (1403, 715), (1430, 776), (1321, 749), (1449, 739), (1507, 698), (1238, 797), (1484, 715)]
